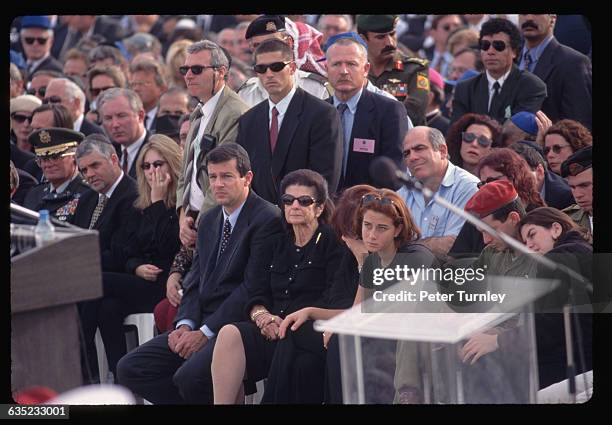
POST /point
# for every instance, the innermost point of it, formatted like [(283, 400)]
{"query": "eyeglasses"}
[(52, 99), (498, 45), (304, 200), (155, 164), (483, 141), (30, 40), (555, 148), (195, 69), (487, 181), (576, 168), (275, 67), (96, 91), (41, 91), (21, 118), (52, 158)]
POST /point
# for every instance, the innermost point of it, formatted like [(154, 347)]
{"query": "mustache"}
[(388, 49), (529, 24)]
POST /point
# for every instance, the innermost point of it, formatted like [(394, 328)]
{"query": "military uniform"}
[(54, 144), (581, 218), (407, 79), (62, 205), (252, 92)]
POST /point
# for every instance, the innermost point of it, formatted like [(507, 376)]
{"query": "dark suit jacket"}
[(112, 225), (26, 183), (380, 119), (49, 64), (87, 128), (310, 137), (25, 161), (118, 148), (569, 83), (557, 192), (105, 27), (214, 291), (522, 91)]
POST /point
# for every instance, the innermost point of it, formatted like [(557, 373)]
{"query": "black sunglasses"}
[(275, 67), (41, 91), (555, 148), (21, 118), (489, 180), (498, 45), (483, 141), (96, 91), (30, 40), (52, 99), (195, 69), (155, 164), (304, 200)]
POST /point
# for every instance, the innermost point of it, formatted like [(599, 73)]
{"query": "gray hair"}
[(348, 41), (217, 56), (95, 143), (436, 138), (73, 91), (132, 97), (153, 67)]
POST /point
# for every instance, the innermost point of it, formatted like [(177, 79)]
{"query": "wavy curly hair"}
[(577, 135), (453, 138)]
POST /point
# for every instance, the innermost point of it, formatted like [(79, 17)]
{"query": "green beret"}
[(376, 23), (54, 140)]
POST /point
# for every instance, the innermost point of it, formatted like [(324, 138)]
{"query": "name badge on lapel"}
[(508, 112), (364, 145)]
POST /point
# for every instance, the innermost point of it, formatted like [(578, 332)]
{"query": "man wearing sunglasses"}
[(502, 90), (55, 148), (566, 72), (267, 27), (213, 122), (426, 157), (67, 93), (37, 38), (292, 129), (404, 77), (578, 171)]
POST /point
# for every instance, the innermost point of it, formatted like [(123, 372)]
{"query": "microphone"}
[(385, 172)]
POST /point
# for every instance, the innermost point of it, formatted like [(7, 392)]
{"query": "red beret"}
[(491, 197), (34, 395)]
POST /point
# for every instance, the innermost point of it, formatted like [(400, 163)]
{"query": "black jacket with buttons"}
[(296, 279)]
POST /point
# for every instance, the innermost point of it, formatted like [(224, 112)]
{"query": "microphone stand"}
[(412, 183)]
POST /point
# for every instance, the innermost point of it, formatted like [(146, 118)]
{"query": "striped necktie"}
[(102, 199)]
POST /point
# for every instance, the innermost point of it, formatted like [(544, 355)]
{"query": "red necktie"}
[(274, 129)]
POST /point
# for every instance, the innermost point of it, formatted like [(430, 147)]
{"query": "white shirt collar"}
[(211, 104), (282, 106), (500, 80), (233, 217), (78, 123), (110, 191)]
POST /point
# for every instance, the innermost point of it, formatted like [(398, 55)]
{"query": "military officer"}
[(54, 148), (273, 26), (406, 78)]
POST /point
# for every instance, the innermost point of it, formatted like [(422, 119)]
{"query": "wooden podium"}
[(46, 284)]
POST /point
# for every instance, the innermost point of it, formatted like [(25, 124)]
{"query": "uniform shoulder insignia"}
[(247, 83), (422, 62), (316, 77)]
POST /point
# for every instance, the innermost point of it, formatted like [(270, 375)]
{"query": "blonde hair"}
[(171, 153)]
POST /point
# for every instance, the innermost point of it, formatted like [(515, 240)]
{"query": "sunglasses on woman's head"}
[(155, 164), (304, 200), (489, 180), (483, 141), (555, 148), (498, 45), (368, 199), (21, 118), (195, 69), (275, 67)]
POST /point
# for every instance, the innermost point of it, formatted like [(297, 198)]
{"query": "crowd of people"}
[(225, 162)]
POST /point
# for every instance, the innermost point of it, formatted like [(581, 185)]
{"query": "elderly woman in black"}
[(304, 261)]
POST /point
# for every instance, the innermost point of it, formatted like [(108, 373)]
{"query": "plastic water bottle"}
[(44, 232)]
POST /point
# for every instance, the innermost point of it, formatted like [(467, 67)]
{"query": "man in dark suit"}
[(373, 124), (566, 72), (290, 130), (66, 92), (502, 90), (36, 36), (122, 116), (76, 27), (174, 367), (107, 208)]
